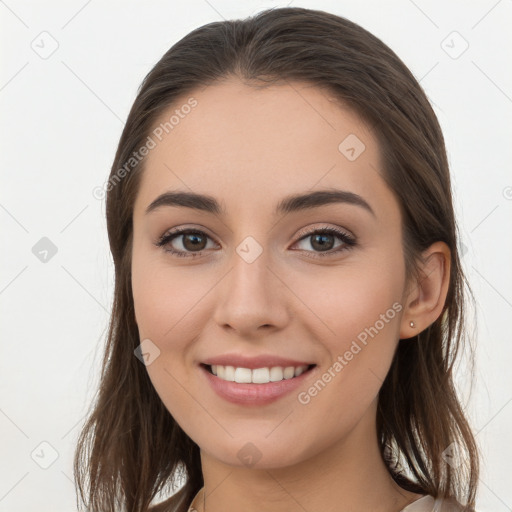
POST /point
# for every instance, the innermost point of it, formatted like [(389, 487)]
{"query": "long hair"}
[(130, 448)]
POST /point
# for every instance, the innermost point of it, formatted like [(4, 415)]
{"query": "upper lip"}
[(261, 361)]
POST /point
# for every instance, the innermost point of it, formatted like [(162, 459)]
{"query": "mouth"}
[(262, 375), (256, 386)]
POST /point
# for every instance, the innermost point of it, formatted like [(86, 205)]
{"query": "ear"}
[(426, 298)]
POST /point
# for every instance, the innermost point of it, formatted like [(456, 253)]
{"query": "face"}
[(318, 283)]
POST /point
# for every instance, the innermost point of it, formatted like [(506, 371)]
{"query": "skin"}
[(250, 148)]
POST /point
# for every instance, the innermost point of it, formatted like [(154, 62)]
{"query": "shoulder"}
[(451, 505), (172, 504), (430, 504)]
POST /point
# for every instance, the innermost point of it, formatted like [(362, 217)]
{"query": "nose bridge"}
[(250, 274), (250, 267), (251, 296)]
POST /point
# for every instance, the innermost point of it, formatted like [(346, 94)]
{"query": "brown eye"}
[(193, 241), (322, 242), (184, 242)]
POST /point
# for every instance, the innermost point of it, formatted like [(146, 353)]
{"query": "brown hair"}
[(131, 448)]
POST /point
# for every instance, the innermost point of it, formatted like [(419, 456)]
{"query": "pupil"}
[(322, 244), (195, 241)]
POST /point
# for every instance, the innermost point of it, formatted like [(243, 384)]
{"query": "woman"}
[(289, 300)]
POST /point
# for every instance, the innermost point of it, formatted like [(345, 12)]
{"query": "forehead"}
[(251, 146)]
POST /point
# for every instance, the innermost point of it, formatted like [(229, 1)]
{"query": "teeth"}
[(258, 375)]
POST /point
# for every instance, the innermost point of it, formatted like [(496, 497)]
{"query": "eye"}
[(189, 239), (323, 240), (192, 242)]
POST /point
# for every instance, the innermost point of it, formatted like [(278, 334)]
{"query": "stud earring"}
[(411, 323)]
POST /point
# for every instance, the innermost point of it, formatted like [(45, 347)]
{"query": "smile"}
[(258, 375), (251, 387)]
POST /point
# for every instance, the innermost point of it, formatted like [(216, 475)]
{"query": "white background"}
[(61, 118)]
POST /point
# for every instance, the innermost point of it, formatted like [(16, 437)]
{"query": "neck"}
[(347, 475)]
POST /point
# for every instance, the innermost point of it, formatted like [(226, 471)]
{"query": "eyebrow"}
[(290, 204)]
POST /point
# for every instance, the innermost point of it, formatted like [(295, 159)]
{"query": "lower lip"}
[(254, 394)]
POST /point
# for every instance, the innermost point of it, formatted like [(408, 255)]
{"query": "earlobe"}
[(427, 297)]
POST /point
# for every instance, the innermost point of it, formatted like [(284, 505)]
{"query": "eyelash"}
[(349, 242)]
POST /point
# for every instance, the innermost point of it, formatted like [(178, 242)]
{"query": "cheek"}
[(349, 299), (365, 319), (167, 306), (153, 292), (170, 302), (358, 312)]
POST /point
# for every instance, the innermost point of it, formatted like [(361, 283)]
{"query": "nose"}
[(253, 298)]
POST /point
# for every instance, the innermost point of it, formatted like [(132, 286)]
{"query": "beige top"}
[(425, 504)]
